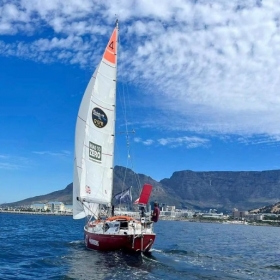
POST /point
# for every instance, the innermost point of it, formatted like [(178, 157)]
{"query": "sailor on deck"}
[(156, 212)]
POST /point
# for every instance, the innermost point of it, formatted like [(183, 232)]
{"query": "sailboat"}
[(93, 166)]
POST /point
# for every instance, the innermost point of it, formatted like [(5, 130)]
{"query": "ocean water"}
[(51, 247)]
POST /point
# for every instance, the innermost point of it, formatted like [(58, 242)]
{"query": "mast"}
[(115, 116)]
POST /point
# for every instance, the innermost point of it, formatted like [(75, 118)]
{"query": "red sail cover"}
[(145, 194)]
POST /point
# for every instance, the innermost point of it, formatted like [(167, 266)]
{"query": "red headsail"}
[(145, 195)]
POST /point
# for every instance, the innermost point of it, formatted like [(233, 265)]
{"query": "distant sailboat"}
[(93, 166)]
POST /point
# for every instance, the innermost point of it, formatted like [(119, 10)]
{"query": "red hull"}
[(110, 242)]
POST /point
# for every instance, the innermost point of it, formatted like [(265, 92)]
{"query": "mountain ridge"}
[(222, 190)]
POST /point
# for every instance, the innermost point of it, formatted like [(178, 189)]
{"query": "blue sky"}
[(202, 80)]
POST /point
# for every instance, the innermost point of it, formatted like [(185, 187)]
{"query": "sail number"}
[(95, 151), (111, 45)]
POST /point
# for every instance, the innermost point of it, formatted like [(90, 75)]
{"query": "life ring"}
[(93, 224), (127, 218)]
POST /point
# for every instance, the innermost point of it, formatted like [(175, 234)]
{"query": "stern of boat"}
[(120, 233)]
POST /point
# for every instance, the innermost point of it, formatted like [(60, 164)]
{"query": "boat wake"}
[(181, 252), (77, 242), (155, 250), (149, 257)]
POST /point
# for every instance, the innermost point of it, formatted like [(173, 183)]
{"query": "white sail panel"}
[(94, 138), (99, 138), (79, 168), (78, 209)]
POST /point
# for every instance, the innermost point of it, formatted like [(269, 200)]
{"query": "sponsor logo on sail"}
[(99, 118), (95, 152)]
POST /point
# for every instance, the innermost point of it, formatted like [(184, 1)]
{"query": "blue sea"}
[(51, 247)]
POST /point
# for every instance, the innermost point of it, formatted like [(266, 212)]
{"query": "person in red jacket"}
[(156, 212)]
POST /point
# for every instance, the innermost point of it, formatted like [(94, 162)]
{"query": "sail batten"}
[(102, 106)]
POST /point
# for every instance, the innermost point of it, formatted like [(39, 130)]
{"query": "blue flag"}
[(124, 196)]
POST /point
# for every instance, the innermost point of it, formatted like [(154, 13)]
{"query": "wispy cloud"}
[(261, 139), (210, 67), (147, 142), (188, 142), (10, 166), (10, 162), (53, 154)]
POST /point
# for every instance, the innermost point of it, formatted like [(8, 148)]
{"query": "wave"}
[(276, 266)]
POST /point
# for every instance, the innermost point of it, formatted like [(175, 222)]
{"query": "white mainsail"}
[(94, 137)]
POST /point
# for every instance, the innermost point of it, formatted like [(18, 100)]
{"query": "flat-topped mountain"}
[(226, 189), (222, 190)]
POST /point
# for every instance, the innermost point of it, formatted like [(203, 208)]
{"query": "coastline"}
[(273, 224), (35, 213)]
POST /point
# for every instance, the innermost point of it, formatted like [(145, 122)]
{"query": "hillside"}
[(275, 209), (189, 189)]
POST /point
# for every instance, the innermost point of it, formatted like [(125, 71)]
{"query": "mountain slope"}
[(275, 209), (222, 190)]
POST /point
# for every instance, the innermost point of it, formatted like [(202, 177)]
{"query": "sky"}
[(201, 78)]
